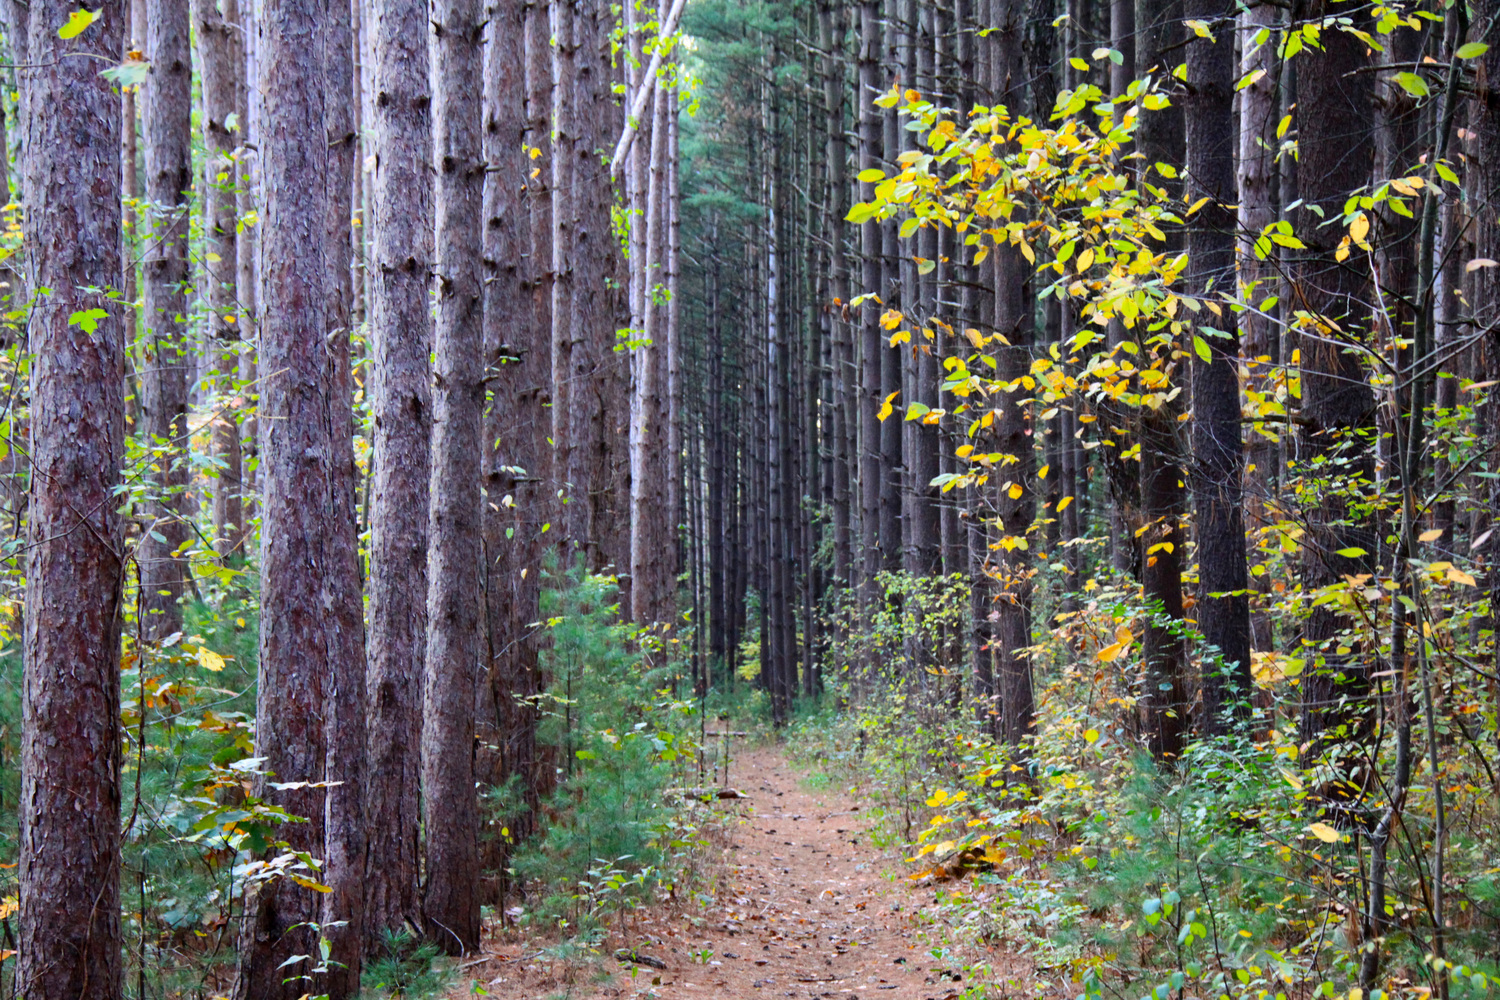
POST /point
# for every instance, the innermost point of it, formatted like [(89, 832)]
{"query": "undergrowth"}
[(1239, 872)]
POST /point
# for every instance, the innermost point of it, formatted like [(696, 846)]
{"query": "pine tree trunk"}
[(1014, 494), (564, 131), (1261, 338), (1223, 606), (830, 38), (166, 112), (301, 476), (517, 455), (450, 901), (872, 342), (218, 57), (650, 513), (344, 853), (1163, 501), (401, 339), (1333, 118), (69, 842)]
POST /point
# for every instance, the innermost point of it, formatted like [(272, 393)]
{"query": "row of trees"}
[(1187, 302), (367, 331), (1345, 270)]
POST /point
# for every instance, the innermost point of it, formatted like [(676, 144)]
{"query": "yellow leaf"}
[(210, 660), (1459, 576), (890, 319), (1091, 735), (1124, 636), (1085, 260), (1015, 491), (1111, 652), (945, 847), (1324, 832), (1062, 504), (1042, 472), (1430, 535), (1359, 229)]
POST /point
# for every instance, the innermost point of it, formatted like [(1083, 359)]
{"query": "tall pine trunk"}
[(69, 850), (166, 113), (401, 338), (302, 622), (344, 851), (450, 901), (220, 65), (1223, 606)]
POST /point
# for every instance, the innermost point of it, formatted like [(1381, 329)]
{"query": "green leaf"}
[(1472, 50), (1352, 552), (77, 21), (1200, 346), (88, 319), (130, 73), (872, 175), (860, 213), (1413, 84)]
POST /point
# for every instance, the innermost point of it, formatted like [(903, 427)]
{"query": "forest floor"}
[(800, 903)]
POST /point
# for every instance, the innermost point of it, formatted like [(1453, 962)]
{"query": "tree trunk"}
[(1223, 608), (344, 853), (1333, 115), (401, 338), (1015, 509), (564, 130), (301, 477), (516, 453), (218, 58), (1163, 501), (870, 334), (650, 514), (167, 109), (450, 903), (69, 850), (1261, 337)]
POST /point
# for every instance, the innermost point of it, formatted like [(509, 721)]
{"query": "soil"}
[(803, 905)]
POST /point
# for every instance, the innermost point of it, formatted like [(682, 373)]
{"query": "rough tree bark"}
[(69, 852), (219, 68), (345, 837), (166, 114), (450, 902), (1223, 607), (1335, 149), (302, 625), (517, 454), (401, 337)]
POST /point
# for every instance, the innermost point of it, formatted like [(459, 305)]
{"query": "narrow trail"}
[(807, 908)]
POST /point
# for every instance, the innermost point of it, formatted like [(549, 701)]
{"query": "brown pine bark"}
[(401, 337), (303, 624), (220, 66), (517, 455), (564, 130), (69, 944), (450, 900), (166, 114), (345, 837)]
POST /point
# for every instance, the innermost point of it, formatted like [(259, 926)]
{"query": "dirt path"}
[(808, 909)]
